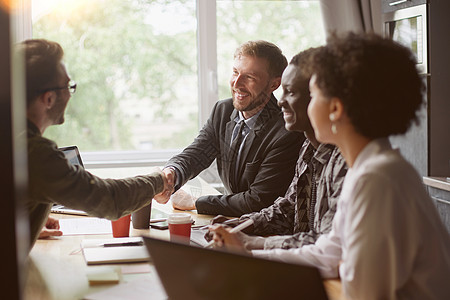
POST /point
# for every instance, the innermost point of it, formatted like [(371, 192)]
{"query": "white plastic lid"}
[(179, 218)]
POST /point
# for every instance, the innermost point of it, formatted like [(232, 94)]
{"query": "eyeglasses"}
[(71, 86)]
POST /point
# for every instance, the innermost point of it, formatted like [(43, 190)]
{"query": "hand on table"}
[(237, 241), (183, 200), (219, 219), (169, 182), (51, 228)]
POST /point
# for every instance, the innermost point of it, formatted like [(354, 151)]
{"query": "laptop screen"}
[(72, 155)]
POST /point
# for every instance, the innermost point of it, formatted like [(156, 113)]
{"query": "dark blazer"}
[(266, 164)]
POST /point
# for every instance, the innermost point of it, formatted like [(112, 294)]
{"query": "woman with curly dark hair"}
[(387, 233), (387, 240)]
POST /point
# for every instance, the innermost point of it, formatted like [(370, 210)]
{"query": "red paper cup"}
[(180, 227), (121, 227)]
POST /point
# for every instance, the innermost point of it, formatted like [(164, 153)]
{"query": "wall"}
[(439, 105)]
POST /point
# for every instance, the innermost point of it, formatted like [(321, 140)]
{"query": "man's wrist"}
[(174, 172)]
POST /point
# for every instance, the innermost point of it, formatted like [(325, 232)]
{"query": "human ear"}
[(48, 99), (336, 109), (275, 83)]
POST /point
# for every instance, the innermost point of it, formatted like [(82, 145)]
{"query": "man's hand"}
[(169, 181), (223, 238), (51, 228), (183, 201), (236, 240), (219, 219)]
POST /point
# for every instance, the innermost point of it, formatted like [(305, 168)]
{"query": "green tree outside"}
[(131, 71)]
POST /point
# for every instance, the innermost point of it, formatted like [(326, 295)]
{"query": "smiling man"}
[(245, 134), (307, 210)]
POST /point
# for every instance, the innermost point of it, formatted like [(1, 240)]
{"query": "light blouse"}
[(387, 239)]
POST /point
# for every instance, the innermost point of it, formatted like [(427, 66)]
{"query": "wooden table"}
[(57, 269)]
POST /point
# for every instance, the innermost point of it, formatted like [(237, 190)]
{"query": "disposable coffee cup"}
[(180, 227), (121, 227), (141, 217)]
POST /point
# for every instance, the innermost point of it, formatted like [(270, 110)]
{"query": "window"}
[(291, 25), (135, 63), (138, 62)]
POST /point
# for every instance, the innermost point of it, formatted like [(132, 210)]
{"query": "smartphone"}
[(160, 225)]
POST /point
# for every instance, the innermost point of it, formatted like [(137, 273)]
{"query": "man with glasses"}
[(52, 179)]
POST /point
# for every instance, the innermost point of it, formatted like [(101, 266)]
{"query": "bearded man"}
[(246, 136)]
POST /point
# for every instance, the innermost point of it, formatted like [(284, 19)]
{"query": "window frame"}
[(207, 73)]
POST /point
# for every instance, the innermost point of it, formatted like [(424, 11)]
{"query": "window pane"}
[(135, 63), (291, 25)]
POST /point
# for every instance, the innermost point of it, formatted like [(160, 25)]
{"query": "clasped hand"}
[(168, 176), (234, 241)]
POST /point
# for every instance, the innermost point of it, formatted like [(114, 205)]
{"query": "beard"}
[(257, 101)]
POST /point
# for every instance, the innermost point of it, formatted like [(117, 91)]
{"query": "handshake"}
[(168, 176), (180, 200)]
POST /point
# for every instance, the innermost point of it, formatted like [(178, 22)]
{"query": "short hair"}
[(304, 62), (263, 49), (375, 78), (42, 63)]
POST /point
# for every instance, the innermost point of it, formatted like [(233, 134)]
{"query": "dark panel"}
[(9, 256), (439, 24), (13, 175)]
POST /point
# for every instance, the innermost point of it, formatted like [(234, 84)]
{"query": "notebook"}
[(116, 251), (188, 272)]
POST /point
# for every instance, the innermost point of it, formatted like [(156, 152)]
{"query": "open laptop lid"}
[(188, 272), (72, 155)]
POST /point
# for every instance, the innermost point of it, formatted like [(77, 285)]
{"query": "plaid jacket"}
[(288, 220)]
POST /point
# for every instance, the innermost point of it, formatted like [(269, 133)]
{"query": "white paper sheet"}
[(76, 226)]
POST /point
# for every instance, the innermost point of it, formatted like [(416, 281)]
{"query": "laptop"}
[(190, 272), (72, 154)]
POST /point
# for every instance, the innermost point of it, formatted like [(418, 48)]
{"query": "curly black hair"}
[(375, 78)]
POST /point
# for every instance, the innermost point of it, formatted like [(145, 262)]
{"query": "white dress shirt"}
[(386, 233)]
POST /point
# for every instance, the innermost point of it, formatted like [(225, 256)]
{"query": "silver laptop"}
[(190, 272), (72, 154)]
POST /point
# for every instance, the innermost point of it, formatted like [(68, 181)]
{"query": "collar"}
[(250, 122), (321, 155)]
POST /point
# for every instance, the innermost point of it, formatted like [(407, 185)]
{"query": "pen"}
[(238, 228), (139, 243)]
